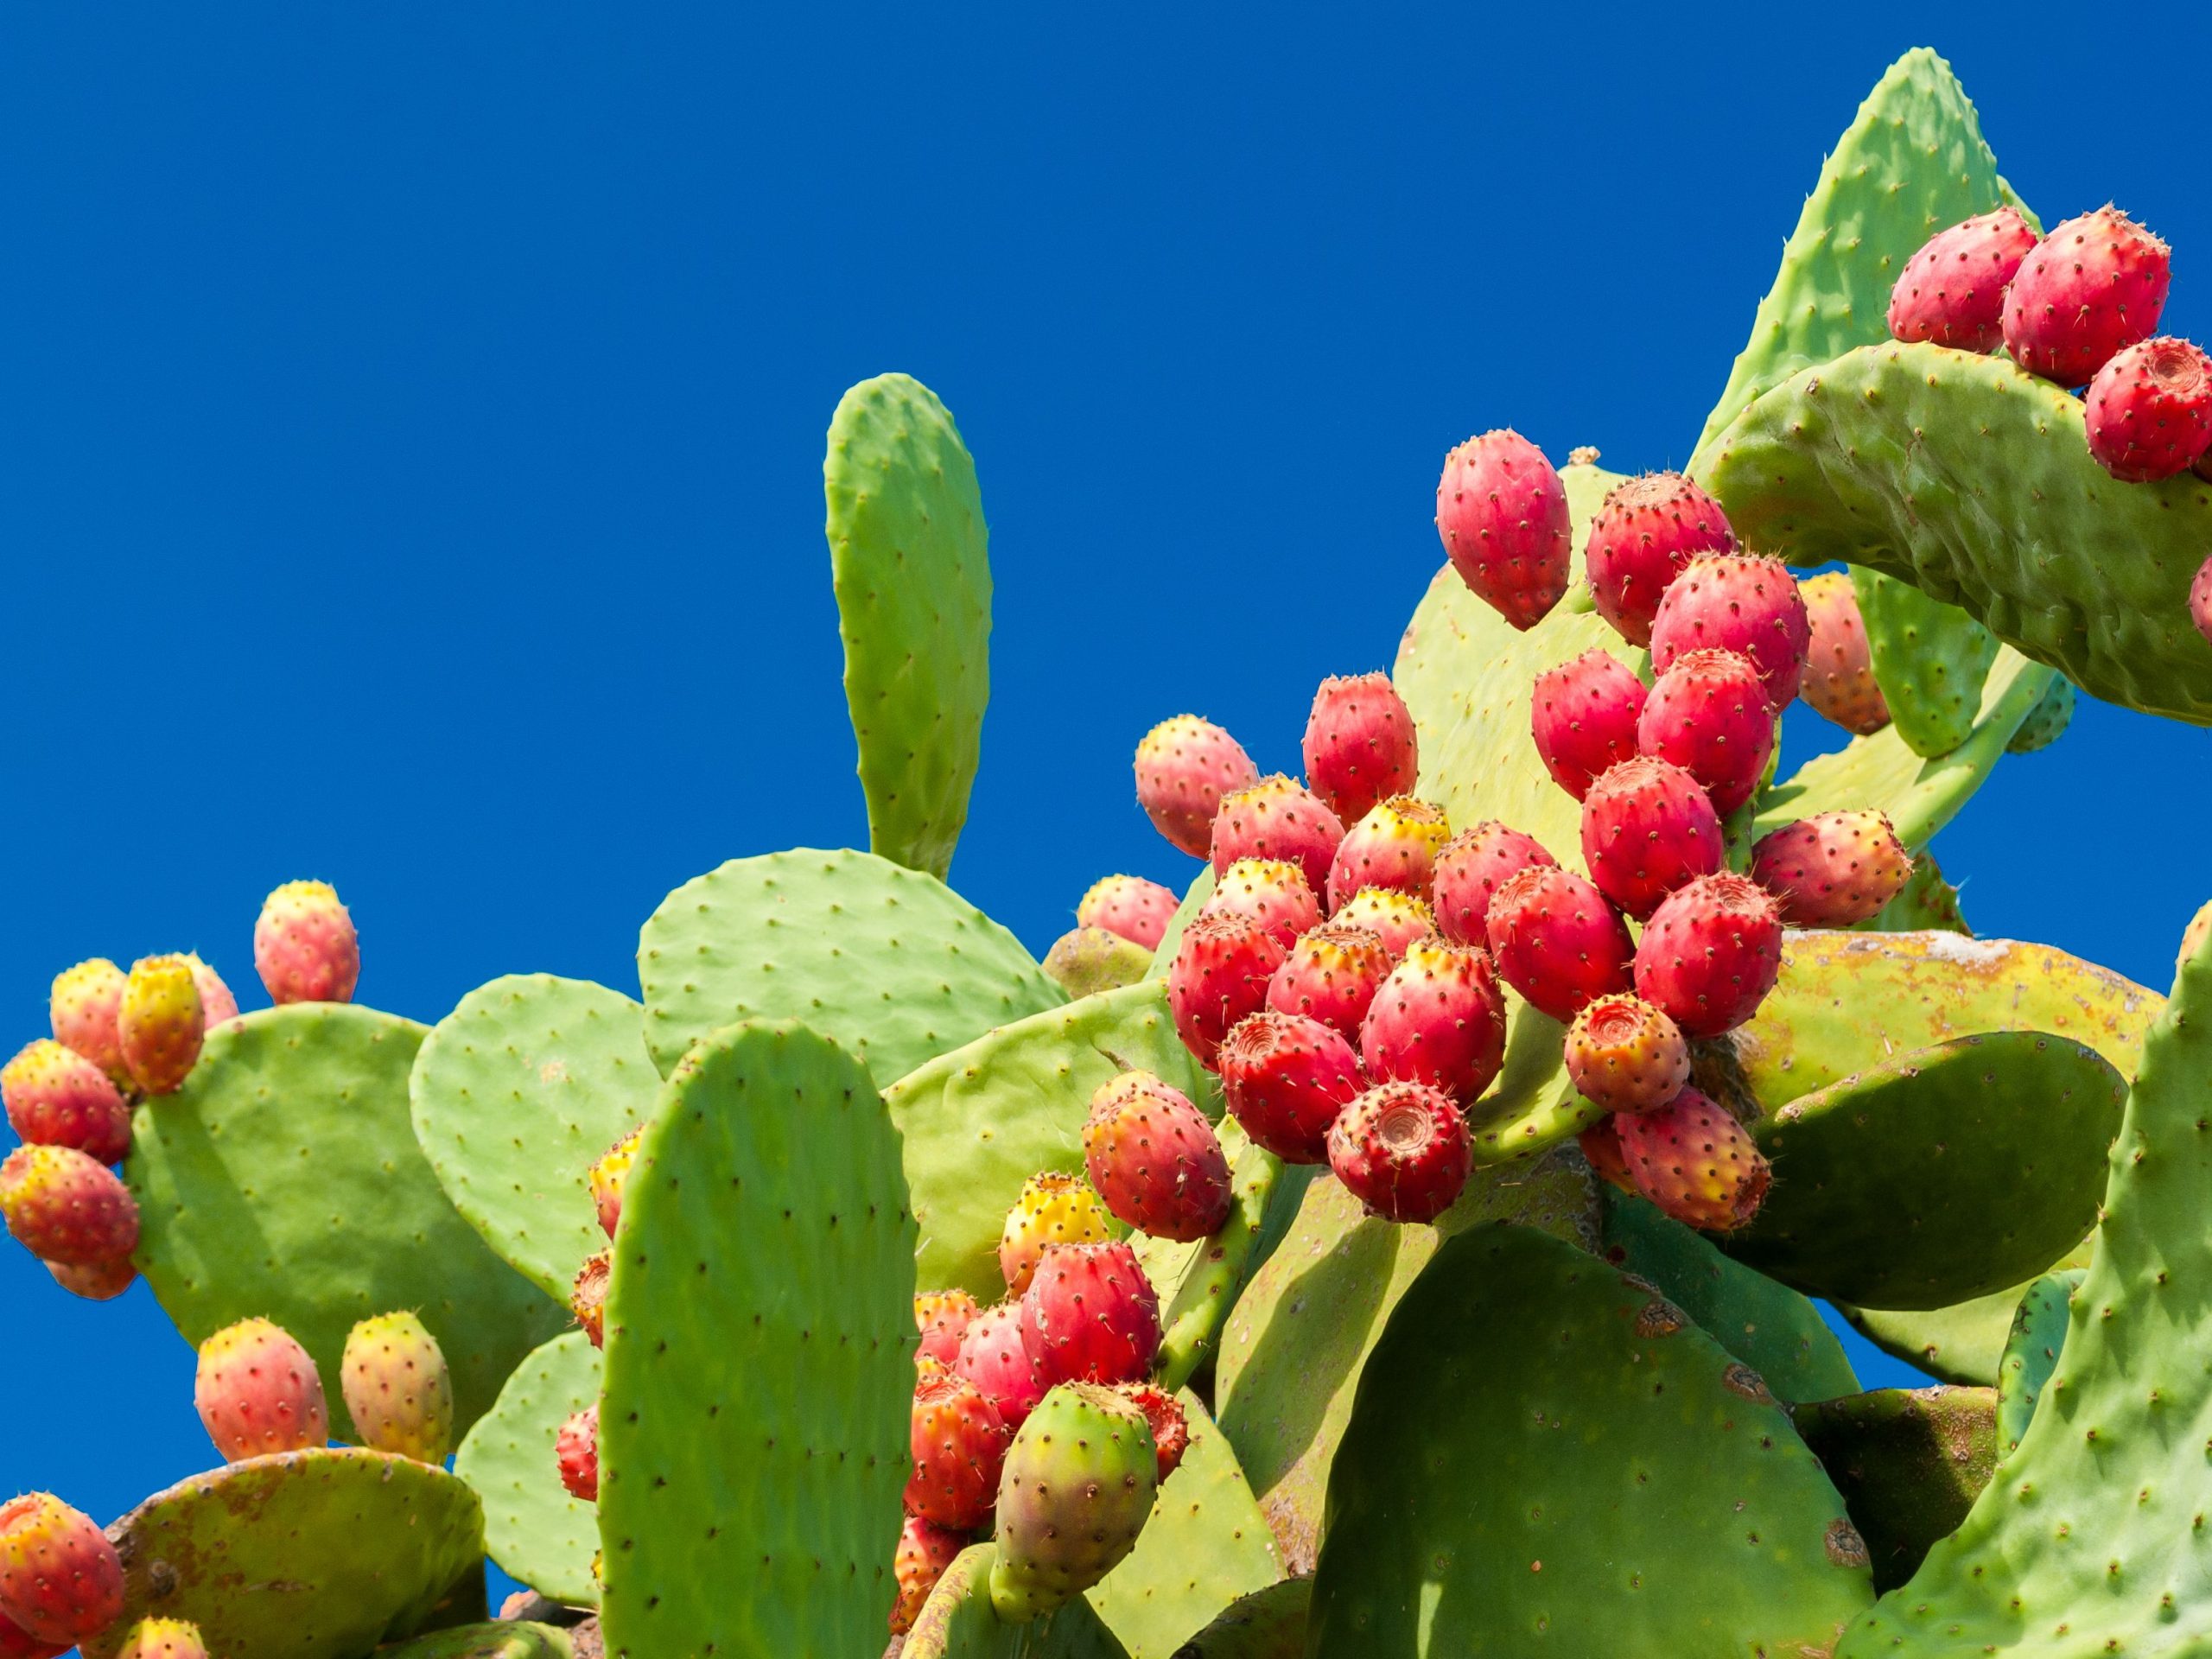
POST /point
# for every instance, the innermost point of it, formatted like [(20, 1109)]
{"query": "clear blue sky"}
[(410, 428)]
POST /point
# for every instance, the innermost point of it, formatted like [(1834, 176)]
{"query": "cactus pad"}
[(758, 1367), (957, 1621), (1963, 1342), (516, 1093), (2031, 1351), (1268, 1623), (1910, 1463), (500, 1638), (1927, 902), (1929, 659), (2047, 722), (284, 1181), (532, 1528)]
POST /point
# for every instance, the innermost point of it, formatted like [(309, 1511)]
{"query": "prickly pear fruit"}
[(1331, 974), (993, 1358), (1601, 1145), (62, 1207), (2090, 288), (925, 1549), (1084, 961), (98, 1281), (1838, 681), (17, 1643), (1279, 819), (1089, 1315), (258, 1391), (943, 1317), (1556, 940), (1360, 746), (2150, 410), (1286, 1077), (959, 1446), (1709, 714), (1728, 602), (1647, 531), (1155, 1160), (1171, 1429), (56, 1097), (1835, 869), (1051, 1209), (575, 1449), (1952, 291), (86, 1001), (1221, 973), (217, 1005), (1439, 1018), (1273, 892), (397, 1388), (162, 1638), (607, 1177), (1502, 512), (1626, 1056), (1472, 866), (1583, 717), (1396, 918), (60, 1580), (588, 1296), (1184, 765), (1401, 1149), (1710, 954), (161, 1023), (304, 945), (1647, 828), (1394, 845), (1078, 1486), (1695, 1163), (1136, 909)]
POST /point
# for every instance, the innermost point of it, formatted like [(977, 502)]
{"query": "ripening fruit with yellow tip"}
[(161, 1023), (608, 1176), (84, 1002), (397, 1388), (1054, 1208), (163, 1639), (304, 945)]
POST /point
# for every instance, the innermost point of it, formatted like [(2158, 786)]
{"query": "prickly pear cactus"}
[(532, 1528), (1929, 659), (2031, 1351), (957, 1621), (1909, 1462)]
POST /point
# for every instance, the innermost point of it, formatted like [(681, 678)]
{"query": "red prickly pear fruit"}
[(1403, 1150), (575, 1449), (1626, 1056), (1470, 868), (1647, 828), (1394, 845), (1185, 766), (1583, 716), (608, 1176), (1647, 531), (1286, 1077), (1710, 953), (1439, 1018), (17, 1643), (1838, 681), (959, 1443), (217, 1005), (1558, 941), (397, 1388), (1695, 1163), (1221, 973), (258, 1391), (1951, 292), (1272, 892), (587, 1297), (1738, 602), (1331, 974), (162, 1638), (1502, 512), (1709, 714), (1601, 1145), (2150, 410), (1050, 1209), (1397, 918), (993, 1358), (943, 1317), (1130, 906), (85, 1002), (1360, 746), (1171, 1429), (1155, 1160), (1279, 819), (161, 1023), (60, 1580), (1833, 869), (2200, 599), (925, 1549), (56, 1097), (2090, 288), (304, 945), (64, 1208), (1089, 1315), (98, 1281)]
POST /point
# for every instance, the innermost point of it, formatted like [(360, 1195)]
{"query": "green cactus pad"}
[(313, 1554), (1911, 164), (759, 1357), (282, 1181), (1929, 659), (1972, 479), (1767, 1325), (1197, 1282), (1546, 1451), (2031, 1351), (532, 1528), (1926, 902), (890, 963), (981, 1120), (909, 552), (2047, 722), (1268, 1623), (1910, 1463), (516, 1093), (1171, 940), (498, 1638), (1947, 1173), (1205, 1544), (957, 1621), (1291, 1353), (1963, 1342)]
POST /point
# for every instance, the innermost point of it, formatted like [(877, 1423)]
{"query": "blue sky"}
[(411, 441)]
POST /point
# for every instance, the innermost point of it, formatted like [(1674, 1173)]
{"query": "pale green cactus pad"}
[(532, 1528), (284, 1181), (303, 1555), (501, 1638), (1929, 659), (1194, 899), (957, 1621), (516, 1093), (1268, 1623), (1963, 1342), (909, 552), (1910, 1463), (1544, 1451), (2031, 1351)]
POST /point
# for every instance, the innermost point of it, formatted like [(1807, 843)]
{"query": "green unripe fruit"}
[(1077, 1487)]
